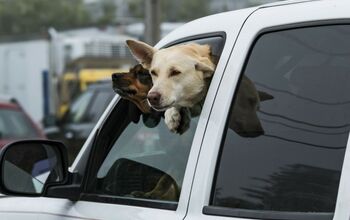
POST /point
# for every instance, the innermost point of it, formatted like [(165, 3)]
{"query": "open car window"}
[(141, 156), (140, 161)]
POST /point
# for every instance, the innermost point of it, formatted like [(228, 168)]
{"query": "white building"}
[(22, 68), (25, 63)]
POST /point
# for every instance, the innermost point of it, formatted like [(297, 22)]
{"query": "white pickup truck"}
[(298, 169)]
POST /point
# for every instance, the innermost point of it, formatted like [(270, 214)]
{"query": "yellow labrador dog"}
[(179, 74)]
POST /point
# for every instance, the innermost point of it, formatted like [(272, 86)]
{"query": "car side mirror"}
[(29, 167)]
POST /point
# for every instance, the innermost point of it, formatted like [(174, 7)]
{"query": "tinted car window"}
[(77, 113), (293, 161), (140, 161), (99, 103), (89, 105), (14, 124)]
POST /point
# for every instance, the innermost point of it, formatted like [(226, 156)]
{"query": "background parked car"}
[(15, 123), (76, 124)]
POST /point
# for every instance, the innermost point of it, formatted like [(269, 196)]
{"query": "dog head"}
[(134, 86), (245, 121), (179, 73)]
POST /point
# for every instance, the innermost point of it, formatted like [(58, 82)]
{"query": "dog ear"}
[(264, 96), (134, 112), (141, 51), (205, 68)]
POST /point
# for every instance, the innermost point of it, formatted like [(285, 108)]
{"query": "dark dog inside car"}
[(245, 121)]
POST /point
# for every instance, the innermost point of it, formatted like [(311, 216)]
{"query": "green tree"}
[(174, 11), (137, 8), (108, 12), (34, 16), (193, 9)]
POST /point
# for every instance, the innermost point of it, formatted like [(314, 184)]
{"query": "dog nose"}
[(114, 76), (154, 98)]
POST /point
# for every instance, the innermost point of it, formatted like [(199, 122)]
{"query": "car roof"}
[(8, 106), (287, 2), (7, 101), (231, 21), (7, 98), (103, 84)]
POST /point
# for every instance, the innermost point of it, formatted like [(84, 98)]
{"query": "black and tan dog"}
[(134, 86)]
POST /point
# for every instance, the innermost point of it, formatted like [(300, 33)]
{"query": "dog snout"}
[(154, 98), (115, 76)]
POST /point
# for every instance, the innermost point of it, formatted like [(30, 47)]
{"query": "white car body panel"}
[(200, 169), (12, 208)]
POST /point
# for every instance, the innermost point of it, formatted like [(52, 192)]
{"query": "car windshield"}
[(89, 106), (14, 124), (79, 107)]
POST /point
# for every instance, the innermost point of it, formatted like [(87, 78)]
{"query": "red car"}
[(15, 124)]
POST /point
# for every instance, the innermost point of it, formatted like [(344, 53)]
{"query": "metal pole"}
[(52, 73), (152, 21)]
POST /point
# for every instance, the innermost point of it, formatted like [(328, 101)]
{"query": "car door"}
[(137, 168), (298, 167)]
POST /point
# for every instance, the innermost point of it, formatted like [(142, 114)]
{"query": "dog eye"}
[(174, 72), (143, 75), (144, 78), (153, 73)]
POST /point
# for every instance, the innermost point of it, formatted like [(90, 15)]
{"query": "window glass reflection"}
[(295, 164)]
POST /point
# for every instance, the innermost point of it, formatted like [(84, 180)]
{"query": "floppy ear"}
[(205, 68), (264, 96), (134, 112), (141, 51)]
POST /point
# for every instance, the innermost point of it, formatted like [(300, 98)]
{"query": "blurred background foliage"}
[(36, 16), (173, 11)]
